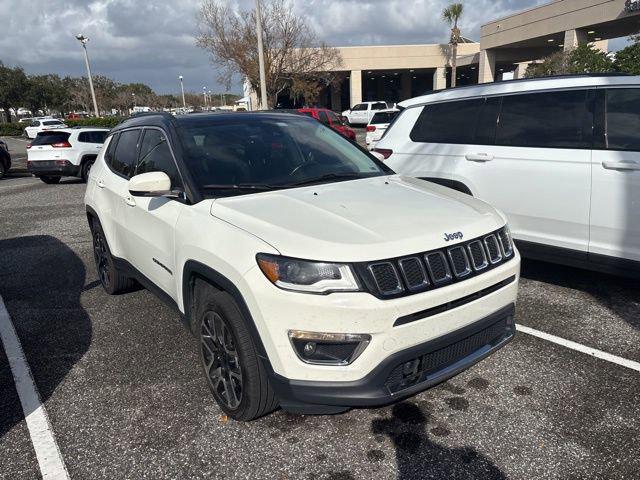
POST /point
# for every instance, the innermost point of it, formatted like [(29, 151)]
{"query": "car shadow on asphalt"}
[(418, 457), (618, 294), (41, 280)]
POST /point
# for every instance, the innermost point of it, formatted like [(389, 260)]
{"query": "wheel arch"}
[(194, 271)]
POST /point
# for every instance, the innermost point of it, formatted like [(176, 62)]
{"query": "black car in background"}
[(5, 159)]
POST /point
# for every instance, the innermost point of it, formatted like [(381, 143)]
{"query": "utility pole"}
[(263, 82), (83, 40), (204, 95)]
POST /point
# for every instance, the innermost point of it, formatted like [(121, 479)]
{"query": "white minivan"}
[(560, 156)]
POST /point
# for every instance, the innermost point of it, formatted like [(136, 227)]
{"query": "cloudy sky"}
[(153, 41)]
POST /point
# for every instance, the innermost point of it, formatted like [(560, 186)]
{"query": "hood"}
[(358, 220)]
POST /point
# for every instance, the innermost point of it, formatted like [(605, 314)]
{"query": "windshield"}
[(254, 154)]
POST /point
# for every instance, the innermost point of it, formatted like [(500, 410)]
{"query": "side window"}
[(379, 106), (95, 136), (108, 155), (126, 153), (623, 119), (333, 118), (83, 137), (448, 122), (155, 156), (550, 119), (360, 107), (322, 116)]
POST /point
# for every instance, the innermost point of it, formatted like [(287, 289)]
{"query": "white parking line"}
[(594, 352), (44, 442)]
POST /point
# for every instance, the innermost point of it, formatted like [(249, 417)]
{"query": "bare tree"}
[(293, 57)]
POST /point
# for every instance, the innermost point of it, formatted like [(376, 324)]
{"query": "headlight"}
[(305, 276)]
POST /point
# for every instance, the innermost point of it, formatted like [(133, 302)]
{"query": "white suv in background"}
[(66, 152), (313, 277), (560, 156), (38, 125), (378, 125), (361, 113)]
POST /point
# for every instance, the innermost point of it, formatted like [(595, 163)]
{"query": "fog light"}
[(328, 348)]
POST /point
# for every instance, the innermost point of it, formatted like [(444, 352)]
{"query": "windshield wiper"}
[(329, 176), (257, 187)]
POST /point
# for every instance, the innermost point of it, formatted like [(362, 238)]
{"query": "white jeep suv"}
[(65, 152), (560, 156), (362, 113), (313, 276)]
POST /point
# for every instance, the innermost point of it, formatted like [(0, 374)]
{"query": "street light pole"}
[(83, 40), (263, 81), (184, 103), (204, 95)]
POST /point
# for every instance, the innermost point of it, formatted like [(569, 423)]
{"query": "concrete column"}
[(440, 78), (487, 67), (573, 38), (355, 87), (335, 97), (405, 85), (520, 70)]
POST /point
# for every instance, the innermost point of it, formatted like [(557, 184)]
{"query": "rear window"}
[(379, 106), (52, 122), (449, 122), (94, 136), (49, 138), (383, 117)]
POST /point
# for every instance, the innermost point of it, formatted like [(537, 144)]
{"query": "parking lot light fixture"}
[(83, 41), (184, 103)]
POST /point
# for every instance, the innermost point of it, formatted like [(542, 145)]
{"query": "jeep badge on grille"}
[(453, 236)]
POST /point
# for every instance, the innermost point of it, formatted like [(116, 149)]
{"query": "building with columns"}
[(507, 46)]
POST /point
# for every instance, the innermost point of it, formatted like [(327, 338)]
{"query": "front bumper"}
[(429, 364), (63, 168)]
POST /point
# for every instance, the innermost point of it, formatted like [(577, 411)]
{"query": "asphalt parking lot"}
[(120, 380)]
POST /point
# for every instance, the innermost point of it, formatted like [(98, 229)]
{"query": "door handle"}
[(130, 201), (612, 165), (478, 157), (100, 184)]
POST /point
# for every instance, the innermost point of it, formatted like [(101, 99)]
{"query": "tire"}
[(3, 169), (85, 169), (112, 280), (50, 180), (229, 359)]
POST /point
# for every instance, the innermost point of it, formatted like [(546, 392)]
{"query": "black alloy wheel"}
[(221, 360), (101, 255)]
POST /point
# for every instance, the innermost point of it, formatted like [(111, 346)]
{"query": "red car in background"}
[(330, 119)]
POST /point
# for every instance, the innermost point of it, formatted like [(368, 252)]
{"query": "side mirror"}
[(152, 184)]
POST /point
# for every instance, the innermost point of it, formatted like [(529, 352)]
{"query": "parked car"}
[(330, 119), (68, 152), (42, 125), (313, 277), (361, 113), (560, 156), (378, 125), (5, 159)]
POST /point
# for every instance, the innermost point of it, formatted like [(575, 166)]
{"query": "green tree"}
[(451, 15), (628, 59), (45, 92), (582, 59), (13, 84)]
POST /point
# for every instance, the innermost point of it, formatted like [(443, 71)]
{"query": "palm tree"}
[(451, 15)]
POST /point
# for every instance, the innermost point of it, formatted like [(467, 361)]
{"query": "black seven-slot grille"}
[(416, 273)]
